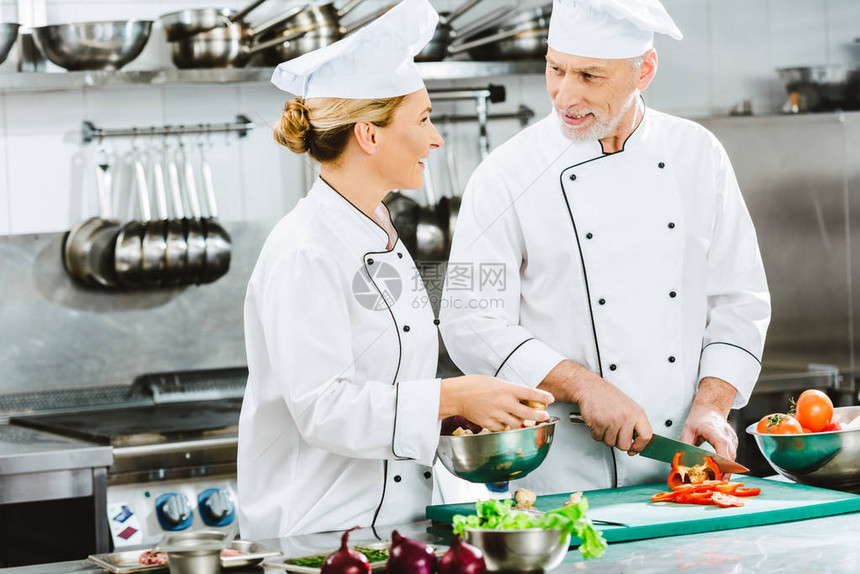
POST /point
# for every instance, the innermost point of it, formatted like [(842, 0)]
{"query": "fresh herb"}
[(498, 515), (373, 555)]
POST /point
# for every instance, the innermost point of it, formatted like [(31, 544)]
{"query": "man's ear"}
[(365, 135), (647, 70)]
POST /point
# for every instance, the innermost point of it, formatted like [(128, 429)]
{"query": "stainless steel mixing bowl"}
[(529, 550), (93, 45), (825, 459), (497, 457), (8, 33)]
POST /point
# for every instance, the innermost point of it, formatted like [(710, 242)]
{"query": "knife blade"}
[(664, 449)]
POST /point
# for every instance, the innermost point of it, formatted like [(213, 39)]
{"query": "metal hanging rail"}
[(482, 97), (524, 114), (241, 126)]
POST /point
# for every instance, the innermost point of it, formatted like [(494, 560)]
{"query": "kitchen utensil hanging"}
[(147, 252)]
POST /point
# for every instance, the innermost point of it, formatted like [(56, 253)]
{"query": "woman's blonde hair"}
[(322, 126)]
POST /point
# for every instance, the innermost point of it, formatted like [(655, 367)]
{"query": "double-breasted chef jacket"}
[(339, 423), (640, 265)]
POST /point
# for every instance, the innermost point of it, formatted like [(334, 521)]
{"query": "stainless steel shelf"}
[(41, 81)]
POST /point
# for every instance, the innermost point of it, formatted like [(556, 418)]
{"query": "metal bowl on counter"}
[(528, 550), (499, 456), (93, 45), (823, 88), (194, 552), (8, 34), (824, 459)]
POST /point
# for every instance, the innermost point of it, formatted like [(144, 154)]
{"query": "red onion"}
[(409, 556), (462, 558), (346, 561)]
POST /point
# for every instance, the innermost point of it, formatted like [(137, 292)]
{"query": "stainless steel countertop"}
[(24, 450), (820, 545)]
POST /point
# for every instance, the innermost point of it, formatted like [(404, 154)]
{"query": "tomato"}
[(726, 500), (834, 426), (761, 427), (806, 430), (814, 410), (779, 423)]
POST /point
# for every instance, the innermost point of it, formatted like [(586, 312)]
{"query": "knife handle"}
[(577, 419)]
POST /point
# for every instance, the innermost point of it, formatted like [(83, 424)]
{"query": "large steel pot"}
[(185, 23), (320, 36), (521, 36), (227, 46), (93, 45), (8, 33), (437, 48)]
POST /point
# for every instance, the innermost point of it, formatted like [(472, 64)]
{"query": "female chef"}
[(340, 421)]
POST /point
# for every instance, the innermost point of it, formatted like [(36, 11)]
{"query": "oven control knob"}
[(216, 506), (173, 510)]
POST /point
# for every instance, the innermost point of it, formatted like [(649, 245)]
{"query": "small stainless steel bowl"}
[(93, 45), (825, 459), (497, 457), (529, 550), (193, 552), (8, 34)]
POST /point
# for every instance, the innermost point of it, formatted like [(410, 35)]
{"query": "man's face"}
[(591, 95)]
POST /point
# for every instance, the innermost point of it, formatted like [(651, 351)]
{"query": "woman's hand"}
[(490, 402)]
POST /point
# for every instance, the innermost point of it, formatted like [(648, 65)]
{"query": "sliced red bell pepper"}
[(664, 496), (726, 500), (747, 492), (681, 474)]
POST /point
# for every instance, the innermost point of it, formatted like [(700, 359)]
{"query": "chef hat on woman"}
[(377, 61), (608, 29)]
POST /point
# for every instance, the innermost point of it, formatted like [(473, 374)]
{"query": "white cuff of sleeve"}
[(416, 420), (733, 364), (529, 363)]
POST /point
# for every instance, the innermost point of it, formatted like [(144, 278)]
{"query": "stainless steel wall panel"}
[(791, 170)]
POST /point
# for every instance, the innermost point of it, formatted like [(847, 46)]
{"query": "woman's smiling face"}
[(405, 143)]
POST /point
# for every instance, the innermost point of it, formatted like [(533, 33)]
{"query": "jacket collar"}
[(351, 222), (594, 149)]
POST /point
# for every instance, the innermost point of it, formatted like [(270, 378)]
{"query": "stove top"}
[(143, 425)]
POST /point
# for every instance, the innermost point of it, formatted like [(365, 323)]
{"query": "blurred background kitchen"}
[(72, 353)]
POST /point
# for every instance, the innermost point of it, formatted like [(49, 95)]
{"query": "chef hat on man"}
[(375, 62), (608, 29)]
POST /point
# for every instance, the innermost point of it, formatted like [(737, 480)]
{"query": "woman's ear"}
[(365, 135)]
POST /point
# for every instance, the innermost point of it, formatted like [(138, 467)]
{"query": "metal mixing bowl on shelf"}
[(499, 456), (528, 550), (93, 45), (824, 459), (8, 34)]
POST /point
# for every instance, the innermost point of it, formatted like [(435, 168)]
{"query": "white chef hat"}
[(375, 62), (608, 29)]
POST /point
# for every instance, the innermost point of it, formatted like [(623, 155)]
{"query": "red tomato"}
[(814, 410), (806, 430), (747, 492), (761, 427), (779, 424), (833, 426)]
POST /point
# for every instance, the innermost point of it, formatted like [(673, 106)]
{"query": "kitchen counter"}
[(24, 450), (821, 545)]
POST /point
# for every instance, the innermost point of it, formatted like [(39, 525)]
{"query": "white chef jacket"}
[(339, 423), (641, 265)]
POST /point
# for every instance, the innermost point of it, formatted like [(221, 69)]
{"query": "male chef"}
[(605, 254)]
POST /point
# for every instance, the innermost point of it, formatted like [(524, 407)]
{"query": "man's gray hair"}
[(637, 62)]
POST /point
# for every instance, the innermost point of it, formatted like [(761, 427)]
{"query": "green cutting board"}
[(631, 505)]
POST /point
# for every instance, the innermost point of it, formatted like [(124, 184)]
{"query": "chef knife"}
[(664, 449)]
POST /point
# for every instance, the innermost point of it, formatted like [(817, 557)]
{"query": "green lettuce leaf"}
[(499, 515)]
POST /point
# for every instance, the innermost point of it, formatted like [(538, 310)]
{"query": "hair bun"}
[(292, 131)]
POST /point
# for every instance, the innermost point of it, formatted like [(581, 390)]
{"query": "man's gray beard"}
[(599, 129)]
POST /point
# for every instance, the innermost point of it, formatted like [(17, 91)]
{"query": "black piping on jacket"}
[(585, 272), (399, 347)]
